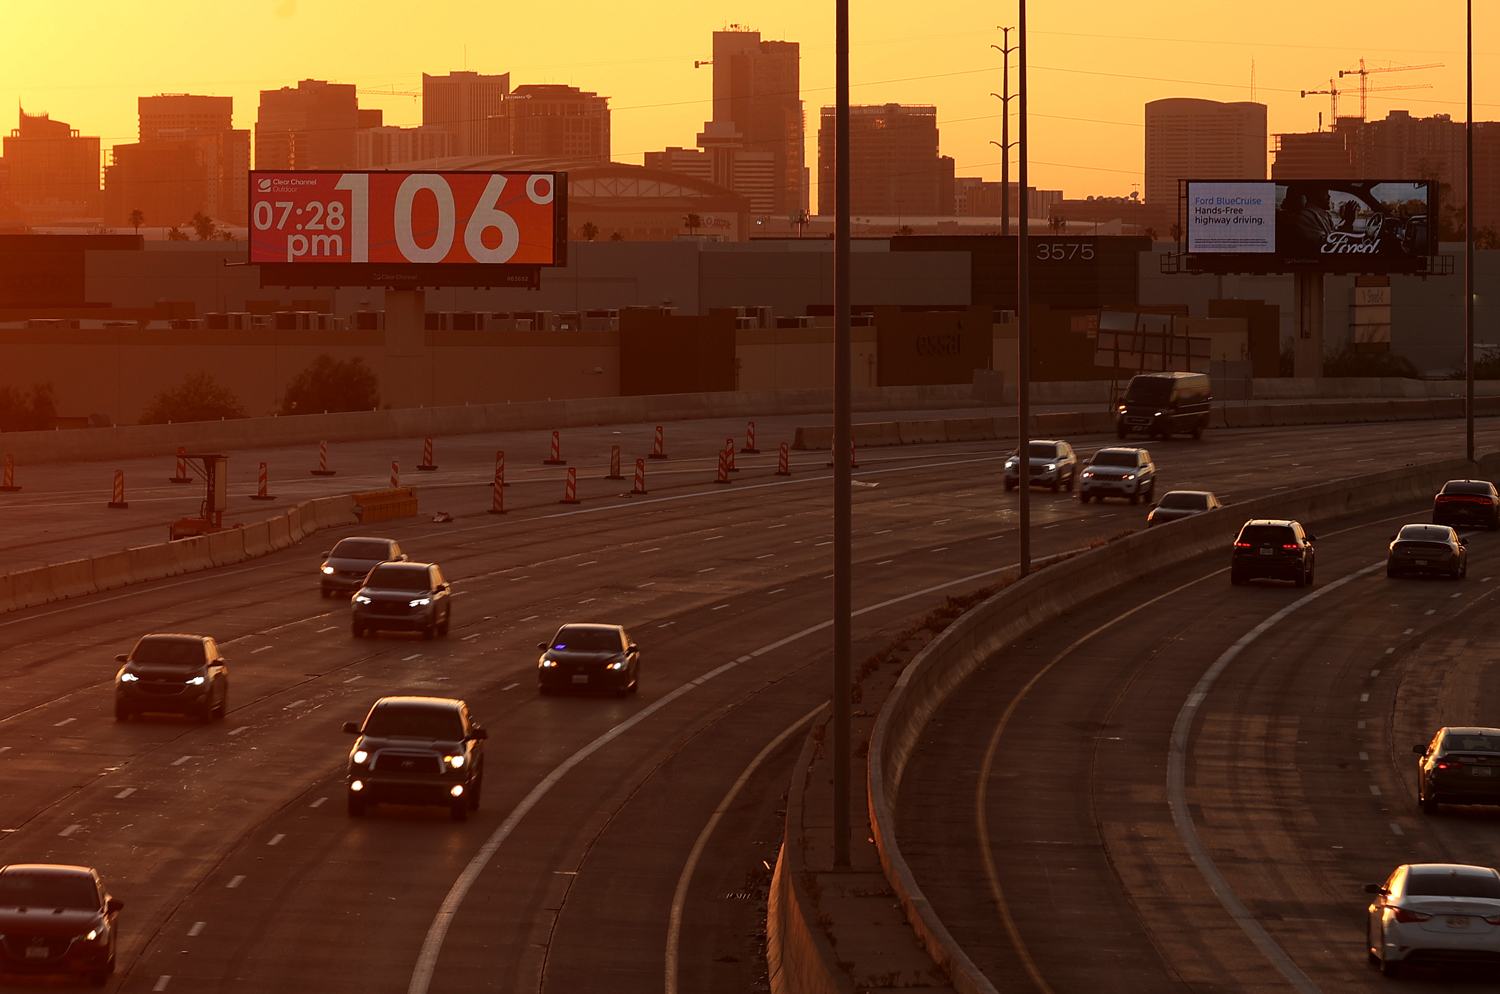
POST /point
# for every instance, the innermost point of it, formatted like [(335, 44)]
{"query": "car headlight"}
[(101, 934), (360, 756), (128, 678), (1087, 473), (197, 681), (362, 599), (1011, 463), (1122, 408), (1158, 414), (1052, 467), (548, 663), (327, 568), (1127, 476), (618, 664), (419, 602), (457, 762)]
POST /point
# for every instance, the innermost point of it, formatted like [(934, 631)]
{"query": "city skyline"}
[(1087, 99)]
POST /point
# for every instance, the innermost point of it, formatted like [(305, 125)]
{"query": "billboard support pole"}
[(842, 482), (1023, 300), (405, 341), (1469, 236)]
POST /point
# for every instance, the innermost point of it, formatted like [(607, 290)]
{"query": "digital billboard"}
[(418, 228), (1334, 226)]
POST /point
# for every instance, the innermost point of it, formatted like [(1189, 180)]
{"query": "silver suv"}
[(1118, 472), (1053, 464)]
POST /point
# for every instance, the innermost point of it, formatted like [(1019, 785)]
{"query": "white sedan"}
[(1435, 913)]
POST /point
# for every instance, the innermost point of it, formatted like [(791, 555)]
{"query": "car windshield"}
[(398, 578), (1149, 390), (47, 890), (589, 638), (1114, 457), (1447, 883), (1268, 535), (361, 548), (1461, 742), (1184, 501), (1424, 533), (1043, 450), (1467, 487), (415, 720), (168, 652)]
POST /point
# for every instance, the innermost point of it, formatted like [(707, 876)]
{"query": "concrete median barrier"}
[(111, 570), (919, 432), (227, 547), (257, 539)]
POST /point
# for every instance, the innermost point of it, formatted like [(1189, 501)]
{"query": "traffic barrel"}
[(555, 459), (182, 473), (323, 469), (9, 484), (570, 489), (640, 477), (261, 494), (723, 476), (750, 438), (427, 465), (729, 454), (657, 452), (614, 463), (784, 461), (119, 493), (395, 474)]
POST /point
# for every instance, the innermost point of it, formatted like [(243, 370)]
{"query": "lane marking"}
[(180, 760), (294, 704), (318, 803), (65, 721), (4, 748), (1177, 790), (330, 628), (942, 548), (197, 928), (1374, 672), (679, 896), (407, 659), (721, 607), (124, 793), (358, 676), (467, 637), (778, 590), (236, 881), (817, 544), (766, 556), (1364, 756), (69, 830), (242, 728), (531, 617), (1408, 631), (642, 586), (162, 982), (657, 549), (588, 600), (1374, 790), (1391, 650), (713, 538), (885, 531), (1363, 698), (1359, 724), (667, 624), (591, 562), (276, 839), (1396, 829), (262, 649), (885, 562), (709, 569), (510, 686)]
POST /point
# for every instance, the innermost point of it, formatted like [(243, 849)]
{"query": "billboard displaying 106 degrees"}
[(436, 228), (1358, 226)]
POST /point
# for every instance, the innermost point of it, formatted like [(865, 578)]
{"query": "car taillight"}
[(1450, 764), (1290, 545), (1242, 545), (1402, 915), (1492, 919)]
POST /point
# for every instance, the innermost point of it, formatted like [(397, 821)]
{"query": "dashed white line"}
[(1390, 650), (1058, 525), (713, 538), (467, 637), (667, 625), (642, 586), (531, 617), (1396, 829), (1364, 757), (415, 655), (591, 562), (69, 830), (885, 531), (941, 548), (778, 590), (657, 549), (162, 982), (180, 760), (1374, 672), (236, 881), (768, 555), (885, 562), (124, 793), (1429, 611), (782, 525), (262, 649), (1364, 697), (1451, 596), (721, 607), (275, 840), (1374, 790), (318, 803), (294, 704), (320, 631), (4, 748), (526, 576), (816, 544), (197, 928), (744, 659), (588, 600), (510, 686), (59, 724), (1359, 724), (943, 522), (358, 676), (1408, 631), (708, 569)]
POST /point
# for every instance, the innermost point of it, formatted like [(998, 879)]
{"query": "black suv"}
[(1467, 502), (175, 674), (417, 750), (1459, 766), (402, 596), (1272, 549)]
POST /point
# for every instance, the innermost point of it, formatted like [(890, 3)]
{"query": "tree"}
[(199, 397), (176, 234), (617, 237), (330, 384), (1175, 231), (1348, 361), (589, 231), (136, 219), (692, 222), (1150, 233), (23, 410), (905, 229), (204, 226)]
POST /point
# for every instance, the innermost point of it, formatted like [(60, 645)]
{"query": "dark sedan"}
[(1467, 502), (56, 920), (1459, 766), (411, 597), (1435, 549), (1176, 504), (346, 565), (1274, 550), (589, 657), (172, 674), (417, 750)]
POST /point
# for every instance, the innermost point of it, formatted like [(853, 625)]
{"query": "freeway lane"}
[(1299, 776), (224, 824)]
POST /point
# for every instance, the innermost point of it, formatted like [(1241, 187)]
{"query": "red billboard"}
[(428, 228)]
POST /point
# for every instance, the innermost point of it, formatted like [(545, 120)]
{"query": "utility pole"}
[(842, 448), (1469, 232), (1023, 305), (1005, 48)]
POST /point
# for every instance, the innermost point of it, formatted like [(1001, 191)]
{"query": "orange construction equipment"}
[(784, 461), (427, 465), (570, 489), (261, 494), (555, 459), (8, 485)]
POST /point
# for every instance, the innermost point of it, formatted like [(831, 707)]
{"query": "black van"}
[(1163, 404)]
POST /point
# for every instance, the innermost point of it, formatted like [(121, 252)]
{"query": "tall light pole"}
[(842, 457), (1023, 304), (1469, 234)]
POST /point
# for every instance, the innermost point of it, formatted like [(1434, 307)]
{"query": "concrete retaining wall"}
[(44, 584)]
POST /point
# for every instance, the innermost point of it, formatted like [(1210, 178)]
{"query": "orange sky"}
[(1095, 63)]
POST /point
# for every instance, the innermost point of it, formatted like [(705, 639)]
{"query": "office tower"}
[(309, 126), (1188, 138), (757, 97), (376, 148), (894, 166), (462, 103), (177, 115), (190, 159), (552, 121), (51, 165)]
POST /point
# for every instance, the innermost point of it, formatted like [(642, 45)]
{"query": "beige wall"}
[(799, 358)]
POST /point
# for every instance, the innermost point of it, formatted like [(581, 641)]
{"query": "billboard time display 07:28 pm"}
[(1348, 226), (433, 228)]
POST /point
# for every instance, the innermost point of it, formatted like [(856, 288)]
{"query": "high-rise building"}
[(178, 115), (554, 121), (894, 165), (462, 103), (51, 166), (757, 95), (309, 126), (1189, 138), (376, 148)]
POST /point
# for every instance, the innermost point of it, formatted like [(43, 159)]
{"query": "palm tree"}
[(589, 230), (692, 222), (136, 219), (203, 225)]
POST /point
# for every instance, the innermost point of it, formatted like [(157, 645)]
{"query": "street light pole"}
[(842, 454), (1469, 287), (1023, 304)]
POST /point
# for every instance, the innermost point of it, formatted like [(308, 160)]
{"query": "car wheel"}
[(1198, 431), (122, 713), (635, 681), (459, 810), (1429, 805), (1072, 479), (356, 805), (98, 978), (1119, 431), (1151, 489), (443, 628), (1009, 486), (475, 790), (1311, 571), (1236, 578), (221, 707), (542, 688), (1135, 498), (1056, 485), (1300, 580), (1390, 968), (358, 630), (1392, 572)]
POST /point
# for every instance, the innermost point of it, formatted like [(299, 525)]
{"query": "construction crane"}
[(1363, 72), (1333, 95), (1333, 101)]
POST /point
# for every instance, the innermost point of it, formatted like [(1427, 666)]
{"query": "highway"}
[(241, 871)]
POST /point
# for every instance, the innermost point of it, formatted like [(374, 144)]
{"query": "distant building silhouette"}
[(462, 103), (722, 158), (54, 171), (973, 196), (552, 120), (758, 108), (190, 159), (1189, 138), (309, 126), (376, 148), (178, 115), (894, 165)]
